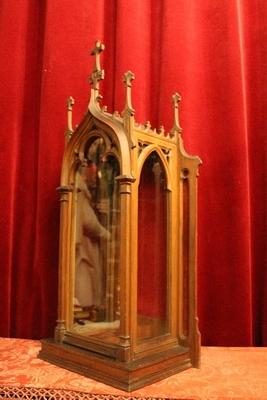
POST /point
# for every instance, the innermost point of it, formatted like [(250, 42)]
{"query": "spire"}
[(176, 98), (127, 79), (98, 73), (69, 131)]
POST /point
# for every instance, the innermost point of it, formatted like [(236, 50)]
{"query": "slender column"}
[(194, 334), (190, 335), (125, 264), (63, 262)]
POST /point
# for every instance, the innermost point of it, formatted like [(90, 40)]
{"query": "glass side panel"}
[(96, 298), (152, 316)]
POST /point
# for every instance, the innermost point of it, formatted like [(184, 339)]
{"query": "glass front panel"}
[(152, 316), (96, 298)]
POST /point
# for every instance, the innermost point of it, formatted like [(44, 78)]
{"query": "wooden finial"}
[(161, 130), (147, 125), (69, 131), (127, 79), (98, 73), (176, 98)]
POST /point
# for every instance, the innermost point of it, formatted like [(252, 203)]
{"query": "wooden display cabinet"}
[(127, 265)]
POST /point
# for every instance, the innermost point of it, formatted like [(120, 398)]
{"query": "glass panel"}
[(96, 301), (152, 250)]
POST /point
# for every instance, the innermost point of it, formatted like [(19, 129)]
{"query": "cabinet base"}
[(127, 376)]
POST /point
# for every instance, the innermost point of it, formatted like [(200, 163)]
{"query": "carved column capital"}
[(64, 192), (125, 183)]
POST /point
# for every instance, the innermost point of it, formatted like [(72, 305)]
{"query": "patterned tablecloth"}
[(226, 373)]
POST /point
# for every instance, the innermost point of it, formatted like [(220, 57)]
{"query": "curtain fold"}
[(215, 55)]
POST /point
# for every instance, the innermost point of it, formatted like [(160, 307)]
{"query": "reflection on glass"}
[(152, 250), (96, 301)]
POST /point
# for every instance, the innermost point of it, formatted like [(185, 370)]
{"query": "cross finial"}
[(176, 98), (98, 73), (127, 79)]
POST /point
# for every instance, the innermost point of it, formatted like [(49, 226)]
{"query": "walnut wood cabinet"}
[(127, 265)]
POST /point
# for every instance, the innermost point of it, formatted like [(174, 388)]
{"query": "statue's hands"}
[(105, 234), (108, 235)]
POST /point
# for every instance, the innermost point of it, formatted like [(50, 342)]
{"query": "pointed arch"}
[(153, 213), (144, 156), (92, 127)]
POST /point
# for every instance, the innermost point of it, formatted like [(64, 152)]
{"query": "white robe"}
[(89, 268)]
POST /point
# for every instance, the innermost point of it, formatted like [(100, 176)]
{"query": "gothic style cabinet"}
[(127, 278)]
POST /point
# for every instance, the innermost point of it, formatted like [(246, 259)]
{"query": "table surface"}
[(225, 373)]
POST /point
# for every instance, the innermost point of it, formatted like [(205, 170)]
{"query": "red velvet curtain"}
[(215, 54)]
